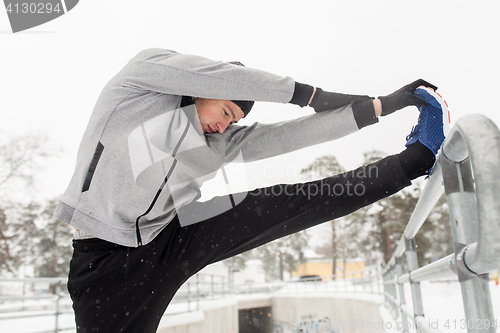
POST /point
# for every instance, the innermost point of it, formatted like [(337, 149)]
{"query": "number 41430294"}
[(32, 8)]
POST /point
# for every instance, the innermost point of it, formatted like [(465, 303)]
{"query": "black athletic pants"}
[(120, 289)]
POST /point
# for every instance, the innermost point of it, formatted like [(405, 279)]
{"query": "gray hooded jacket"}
[(143, 157)]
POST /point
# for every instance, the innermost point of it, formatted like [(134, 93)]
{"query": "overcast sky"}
[(51, 75)]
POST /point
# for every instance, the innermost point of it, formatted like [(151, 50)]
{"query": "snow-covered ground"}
[(443, 307), (37, 324), (442, 301)]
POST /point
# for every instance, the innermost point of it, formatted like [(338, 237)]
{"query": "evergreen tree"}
[(386, 221), (21, 159), (442, 237), (6, 262), (236, 263), (326, 166), (373, 232), (54, 249), (284, 254), (31, 236), (18, 236)]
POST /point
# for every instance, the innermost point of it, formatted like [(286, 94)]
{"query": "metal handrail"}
[(474, 204), (56, 297), (476, 232), (428, 199), (479, 138), (208, 287), (217, 285)]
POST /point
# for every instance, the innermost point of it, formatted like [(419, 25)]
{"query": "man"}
[(164, 125)]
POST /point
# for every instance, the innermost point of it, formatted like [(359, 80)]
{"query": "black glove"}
[(404, 97), (324, 100)]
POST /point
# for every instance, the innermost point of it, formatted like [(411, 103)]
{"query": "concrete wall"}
[(213, 317), (340, 312)]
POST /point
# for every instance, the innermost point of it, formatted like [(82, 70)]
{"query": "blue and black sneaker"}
[(433, 122)]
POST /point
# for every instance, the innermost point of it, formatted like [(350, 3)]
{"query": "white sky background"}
[(51, 75)]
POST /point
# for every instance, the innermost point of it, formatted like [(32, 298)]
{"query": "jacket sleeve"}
[(260, 141), (168, 72)]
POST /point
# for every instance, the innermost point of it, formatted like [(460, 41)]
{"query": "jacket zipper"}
[(137, 230)]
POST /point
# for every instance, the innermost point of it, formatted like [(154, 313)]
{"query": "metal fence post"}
[(189, 296), (24, 294), (394, 292), (378, 278), (411, 259), (212, 286), (402, 301), (197, 292), (459, 189), (370, 281), (58, 298), (345, 281), (224, 286), (384, 274)]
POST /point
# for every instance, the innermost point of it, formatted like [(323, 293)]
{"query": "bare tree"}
[(21, 159)]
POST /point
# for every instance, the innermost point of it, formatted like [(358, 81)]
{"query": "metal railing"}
[(14, 305), (469, 168), (367, 280), (474, 204), (200, 287)]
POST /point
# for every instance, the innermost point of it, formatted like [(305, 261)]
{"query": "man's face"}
[(216, 114)]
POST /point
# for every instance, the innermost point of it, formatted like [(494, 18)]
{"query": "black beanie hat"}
[(245, 106)]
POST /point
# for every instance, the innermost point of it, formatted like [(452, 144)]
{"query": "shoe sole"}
[(444, 108)]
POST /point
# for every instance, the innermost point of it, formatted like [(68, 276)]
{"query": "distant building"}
[(319, 265)]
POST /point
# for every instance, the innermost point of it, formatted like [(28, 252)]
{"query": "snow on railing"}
[(469, 168), (50, 299), (16, 307), (367, 281), (22, 300)]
